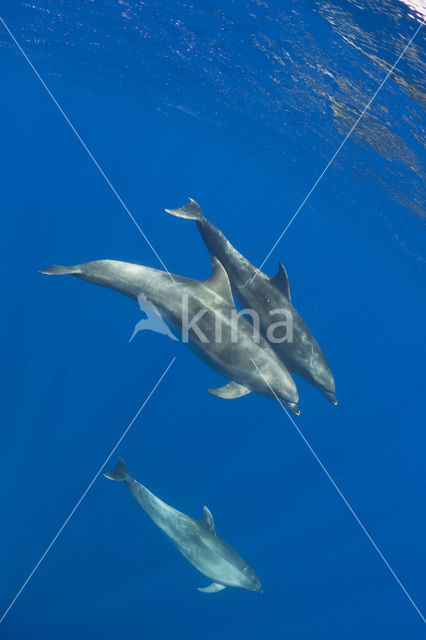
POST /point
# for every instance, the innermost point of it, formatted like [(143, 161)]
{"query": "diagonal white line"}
[(95, 477), (85, 147), (341, 495), (339, 148)]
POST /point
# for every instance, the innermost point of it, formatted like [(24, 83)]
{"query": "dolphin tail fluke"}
[(59, 270), (190, 211), (119, 472)]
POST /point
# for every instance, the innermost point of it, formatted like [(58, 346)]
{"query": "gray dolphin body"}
[(195, 539), (264, 294), (249, 363)]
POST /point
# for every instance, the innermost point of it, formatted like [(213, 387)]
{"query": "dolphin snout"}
[(331, 397), (293, 408)]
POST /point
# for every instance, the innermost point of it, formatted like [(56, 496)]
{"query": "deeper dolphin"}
[(249, 363), (195, 539), (264, 294)]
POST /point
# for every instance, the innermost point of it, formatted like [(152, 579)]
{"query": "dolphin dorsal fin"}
[(219, 282), (207, 520), (281, 281)]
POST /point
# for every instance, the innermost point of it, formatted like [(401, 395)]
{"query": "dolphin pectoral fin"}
[(212, 588), (281, 281), (190, 211), (230, 391)]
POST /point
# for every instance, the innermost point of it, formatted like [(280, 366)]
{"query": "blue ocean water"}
[(239, 105)]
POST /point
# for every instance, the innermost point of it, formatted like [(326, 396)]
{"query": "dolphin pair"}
[(195, 539), (264, 294), (204, 314)]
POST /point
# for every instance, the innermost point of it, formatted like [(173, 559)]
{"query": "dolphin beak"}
[(331, 397), (293, 408)]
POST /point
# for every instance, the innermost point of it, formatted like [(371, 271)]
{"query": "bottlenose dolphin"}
[(195, 539), (203, 313), (264, 294)]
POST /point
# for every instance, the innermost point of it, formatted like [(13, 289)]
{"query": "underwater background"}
[(239, 105)]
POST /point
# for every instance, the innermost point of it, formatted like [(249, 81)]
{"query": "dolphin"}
[(195, 539), (204, 315), (264, 294)]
